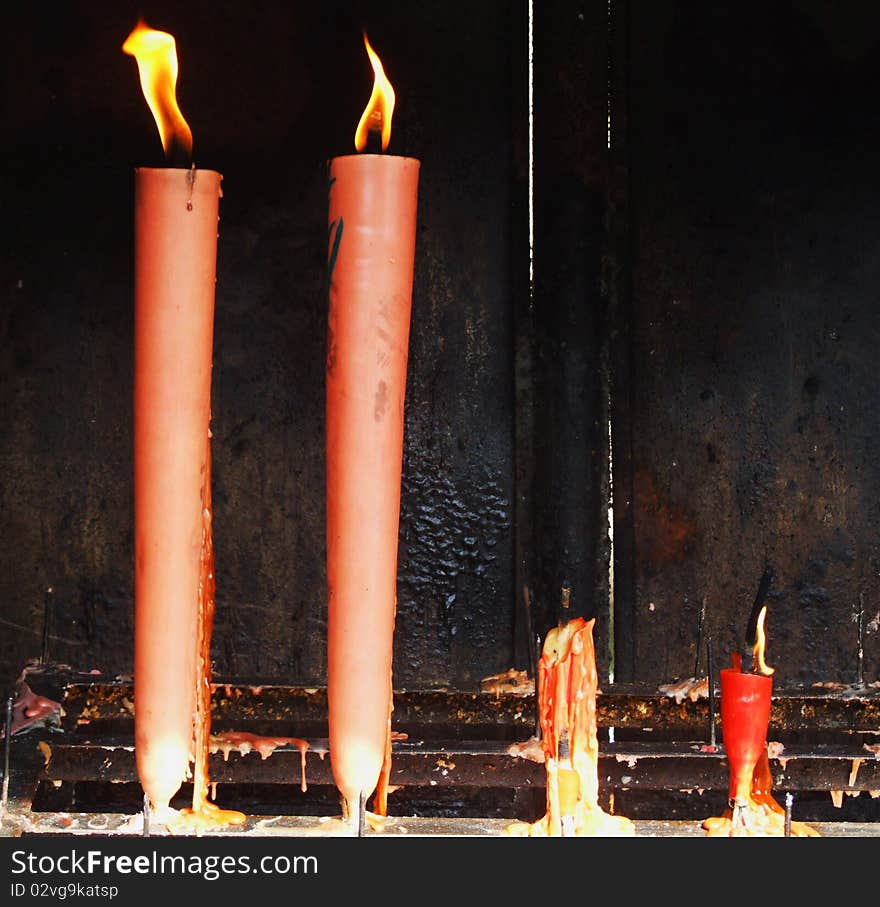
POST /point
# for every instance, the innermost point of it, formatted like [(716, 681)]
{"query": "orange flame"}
[(759, 645), (156, 55), (377, 114)]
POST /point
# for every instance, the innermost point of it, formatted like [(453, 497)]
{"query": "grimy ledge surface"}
[(116, 825), (455, 739)]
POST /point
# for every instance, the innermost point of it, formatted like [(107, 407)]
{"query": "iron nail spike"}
[(7, 733), (709, 669), (47, 620), (738, 818), (7, 746), (146, 832), (362, 815), (700, 631), (538, 733), (530, 628)]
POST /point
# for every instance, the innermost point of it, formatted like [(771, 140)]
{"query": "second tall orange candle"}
[(372, 216)]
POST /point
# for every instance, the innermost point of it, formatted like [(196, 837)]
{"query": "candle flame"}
[(156, 55), (377, 114), (759, 645)]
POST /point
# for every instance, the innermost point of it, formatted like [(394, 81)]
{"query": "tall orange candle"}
[(372, 217), (176, 215)]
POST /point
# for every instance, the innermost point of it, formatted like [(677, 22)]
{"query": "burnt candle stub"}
[(372, 228), (176, 215), (567, 687)]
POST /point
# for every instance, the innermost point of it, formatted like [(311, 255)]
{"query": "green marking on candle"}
[(334, 250)]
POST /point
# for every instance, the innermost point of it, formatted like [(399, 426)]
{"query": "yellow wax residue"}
[(596, 824), (757, 822), (761, 816), (208, 816)]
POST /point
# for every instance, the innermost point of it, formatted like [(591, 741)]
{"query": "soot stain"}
[(381, 401), (448, 532)]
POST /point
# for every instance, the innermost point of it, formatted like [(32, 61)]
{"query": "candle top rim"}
[(197, 170), (370, 155)]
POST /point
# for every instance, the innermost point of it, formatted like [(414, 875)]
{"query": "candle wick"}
[(191, 179), (374, 142)]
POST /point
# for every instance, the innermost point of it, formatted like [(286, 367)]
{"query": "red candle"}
[(372, 217), (745, 716), (176, 215)]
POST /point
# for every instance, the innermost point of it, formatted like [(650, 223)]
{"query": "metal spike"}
[(700, 625), (538, 733), (7, 746), (362, 815), (710, 669)]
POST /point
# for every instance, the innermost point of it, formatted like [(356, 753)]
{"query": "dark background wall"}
[(747, 408), (706, 284)]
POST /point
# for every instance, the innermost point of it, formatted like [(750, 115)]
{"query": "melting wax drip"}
[(244, 742), (380, 801), (205, 814), (207, 589), (31, 709), (567, 686)]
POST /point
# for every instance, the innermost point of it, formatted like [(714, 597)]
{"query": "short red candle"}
[(745, 716)]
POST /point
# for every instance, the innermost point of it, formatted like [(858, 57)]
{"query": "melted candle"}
[(567, 685)]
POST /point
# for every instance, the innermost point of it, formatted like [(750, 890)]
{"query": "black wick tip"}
[(760, 601)]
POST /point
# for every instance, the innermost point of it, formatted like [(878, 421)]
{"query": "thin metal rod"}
[(700, 638), (789, 799), (530, 632), (711, 672), (538, 733), (7, 746), (362, 815), (738, 816), (47, 625), (860, 679), (146, 832)]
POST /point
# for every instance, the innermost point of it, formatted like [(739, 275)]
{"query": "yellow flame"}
[(377, 114), (156, 55), (759, 645)]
